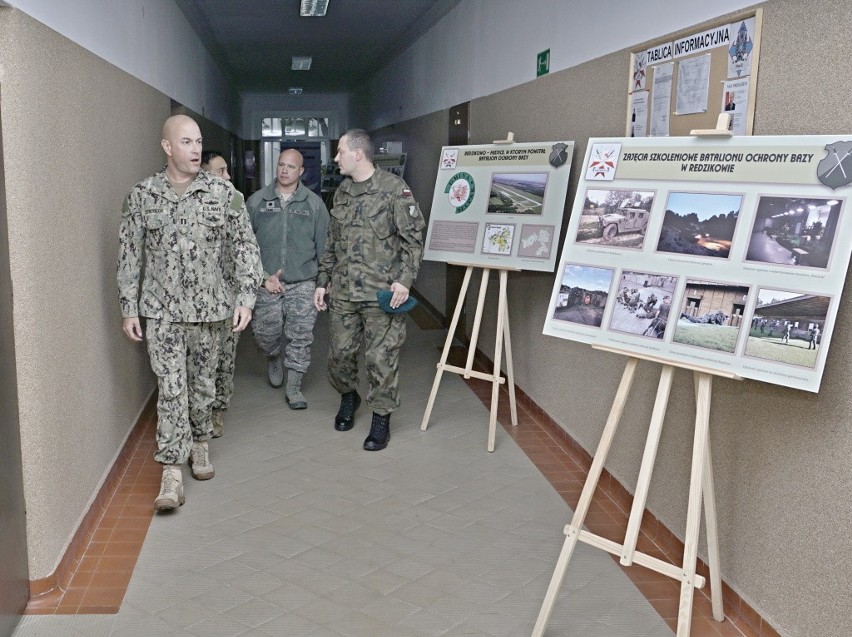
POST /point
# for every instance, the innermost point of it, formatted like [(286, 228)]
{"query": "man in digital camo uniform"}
[(375, 242), (290, 223), (177, 227)]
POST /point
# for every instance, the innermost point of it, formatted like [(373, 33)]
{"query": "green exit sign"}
[(542, 63)]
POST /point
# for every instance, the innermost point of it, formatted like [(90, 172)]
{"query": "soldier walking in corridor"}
[(290, 223), (374, 244), (177, 228)]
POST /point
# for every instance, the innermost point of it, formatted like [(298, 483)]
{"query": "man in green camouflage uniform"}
[(177, 227), (375, 242)]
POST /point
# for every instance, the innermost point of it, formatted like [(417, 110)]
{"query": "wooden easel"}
[(700, 483), (467, 371), (495, 378), (700, 486)]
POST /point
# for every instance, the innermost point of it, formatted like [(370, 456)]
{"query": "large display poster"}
[(499, 205), (726, 254)]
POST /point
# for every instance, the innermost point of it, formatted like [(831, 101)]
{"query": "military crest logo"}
[(739, 53), (640, 64), (449, 158), (558, 155), (835, 169), (460, 189), (603, 160)]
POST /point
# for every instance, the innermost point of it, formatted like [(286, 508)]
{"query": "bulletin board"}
[(730, 47)]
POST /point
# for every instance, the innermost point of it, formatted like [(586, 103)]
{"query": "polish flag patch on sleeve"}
[(406, 192)]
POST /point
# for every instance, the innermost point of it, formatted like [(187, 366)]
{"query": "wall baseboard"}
[(45, 588)]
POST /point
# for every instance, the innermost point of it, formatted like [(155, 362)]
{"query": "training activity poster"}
[(500, 205), (725, 254)]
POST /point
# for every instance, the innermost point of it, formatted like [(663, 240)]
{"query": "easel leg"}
[(447, 345), (712, 535), (477, 321), (704, 383), (498, 358), (510, 372), (572, 531), (646, 469)]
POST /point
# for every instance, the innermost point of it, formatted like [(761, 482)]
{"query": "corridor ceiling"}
[(254, 41)]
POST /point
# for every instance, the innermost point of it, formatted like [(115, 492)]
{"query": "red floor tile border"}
[(538, 435), (93, 574)]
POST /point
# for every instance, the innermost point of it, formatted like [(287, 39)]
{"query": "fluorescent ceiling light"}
[(313, 8), (301, 63), (295, 90)]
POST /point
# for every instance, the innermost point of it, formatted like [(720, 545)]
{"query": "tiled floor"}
[(302, 532)]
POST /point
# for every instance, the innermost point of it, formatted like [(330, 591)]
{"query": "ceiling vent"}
[(301, 63), (313, 8)]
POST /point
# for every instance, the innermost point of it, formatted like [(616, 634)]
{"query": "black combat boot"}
[(345, 419), (379, 433)]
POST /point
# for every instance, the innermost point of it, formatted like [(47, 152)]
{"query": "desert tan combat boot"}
[(199, 461), (218, 424), (171, 489)]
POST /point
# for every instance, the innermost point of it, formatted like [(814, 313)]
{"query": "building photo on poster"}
[(500, 205), (729, 255)]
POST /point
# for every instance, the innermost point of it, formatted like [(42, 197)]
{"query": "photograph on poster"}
[(517, 193), (643, 303), (700, 224), (536, 241), (787, 327), (498, 238), (615, 218), (711, 315), (794, 230), (583, 294)]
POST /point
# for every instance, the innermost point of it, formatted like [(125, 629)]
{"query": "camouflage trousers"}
[(183, 357), (356, 323), (290, 315), (225, 368)]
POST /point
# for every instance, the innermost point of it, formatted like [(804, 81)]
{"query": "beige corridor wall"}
[(781, 457), (78, 133)]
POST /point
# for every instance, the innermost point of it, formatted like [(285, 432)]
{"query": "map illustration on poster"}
[(728, 255), (499, 205)]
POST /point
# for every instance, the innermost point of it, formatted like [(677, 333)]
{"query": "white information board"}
[(499, 205), (728, 254)]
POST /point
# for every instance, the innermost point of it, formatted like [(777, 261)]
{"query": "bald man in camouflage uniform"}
[(375, 242), (177, 228)]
